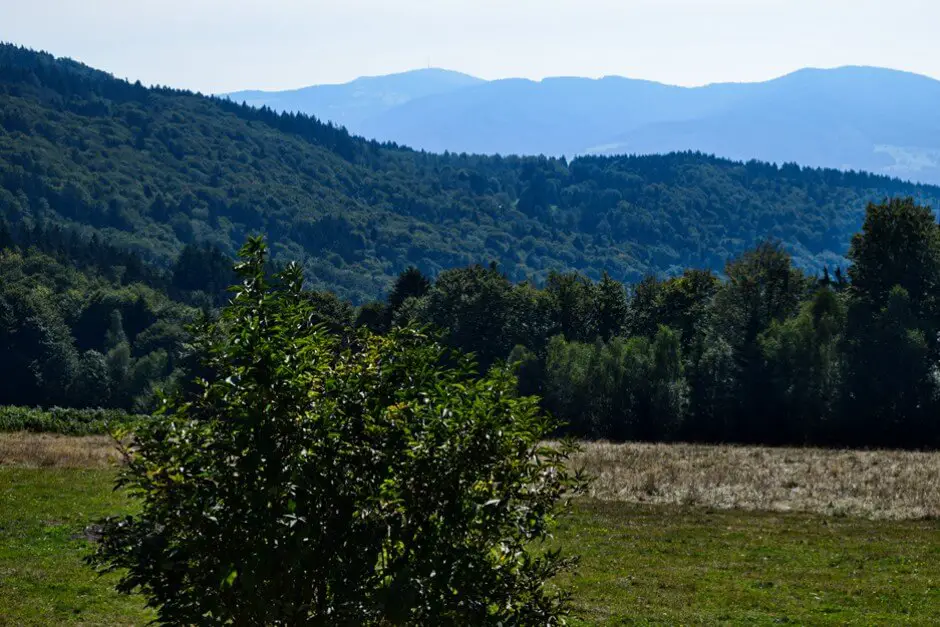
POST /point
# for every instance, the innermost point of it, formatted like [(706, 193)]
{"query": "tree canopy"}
[(153, 170)]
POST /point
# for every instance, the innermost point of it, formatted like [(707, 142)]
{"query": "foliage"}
[(892, 349), (474, 305), (767, 354), (621, 389), (157, 170), (805, 366), (380, 482), (65, 420), (120, 207), (76, 338)]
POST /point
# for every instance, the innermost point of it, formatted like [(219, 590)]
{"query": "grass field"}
[(874, 484), (43, 581), (642, 563), (670, 565)]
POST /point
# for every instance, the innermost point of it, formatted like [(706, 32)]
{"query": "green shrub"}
[(64, 420), (312, 481)]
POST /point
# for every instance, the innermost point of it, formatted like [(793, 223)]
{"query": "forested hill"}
[(154, 169)]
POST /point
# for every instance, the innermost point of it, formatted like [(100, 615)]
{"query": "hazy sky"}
[(224, 45)]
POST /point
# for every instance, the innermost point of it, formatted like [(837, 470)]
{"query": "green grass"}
[(43, 580), (641, 564), (671, 565)]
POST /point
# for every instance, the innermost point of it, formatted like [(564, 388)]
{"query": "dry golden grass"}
[(46, 450), (874, 484)]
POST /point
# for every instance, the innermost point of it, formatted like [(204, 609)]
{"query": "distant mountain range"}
[(353, 104), (860, 118)]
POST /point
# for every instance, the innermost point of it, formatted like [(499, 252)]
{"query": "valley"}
[(353, 350)]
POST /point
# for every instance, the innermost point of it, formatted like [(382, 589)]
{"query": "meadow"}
[(880, 484), (670, 534)]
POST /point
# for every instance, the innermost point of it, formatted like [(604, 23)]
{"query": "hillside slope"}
[(154, 169)]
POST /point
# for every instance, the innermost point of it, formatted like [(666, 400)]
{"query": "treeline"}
[(85, 324), (153, 170), (767, 354)]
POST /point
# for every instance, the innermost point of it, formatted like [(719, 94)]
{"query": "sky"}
[(217, 46)]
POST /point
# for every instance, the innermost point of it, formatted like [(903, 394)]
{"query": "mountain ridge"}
[(350, 103), (872, 118)]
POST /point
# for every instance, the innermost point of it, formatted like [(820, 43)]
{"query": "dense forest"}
[(656, 298), (767, 353), (151, 170), (83, 324)]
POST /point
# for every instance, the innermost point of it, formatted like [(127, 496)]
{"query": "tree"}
[(331, 311), (644, 312), (804, 360), (762, 287), (202, 268), (530, 317), (473, 305), (712, 374), (899, 244), (611, 306), (567, 387), (621, 389), (528, 369), (410, 284), (683, 304), (892, 347), (311, 483), (93, 385), (669, 400), (892, 386), (6, 238), (574, 304), (40, 361), (373, 316)]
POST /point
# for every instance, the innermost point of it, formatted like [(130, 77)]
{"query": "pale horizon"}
[(217, 46)]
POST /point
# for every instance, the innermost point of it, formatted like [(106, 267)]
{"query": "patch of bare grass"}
[(47, 450), (873, 484)]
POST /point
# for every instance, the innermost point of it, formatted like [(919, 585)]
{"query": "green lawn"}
[(43, 580), (641, 564), (672, 565)]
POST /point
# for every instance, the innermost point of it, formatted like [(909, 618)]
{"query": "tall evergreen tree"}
[(410, 284)]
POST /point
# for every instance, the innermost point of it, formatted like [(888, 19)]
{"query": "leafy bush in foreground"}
[(64, 420), (310, 481)]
